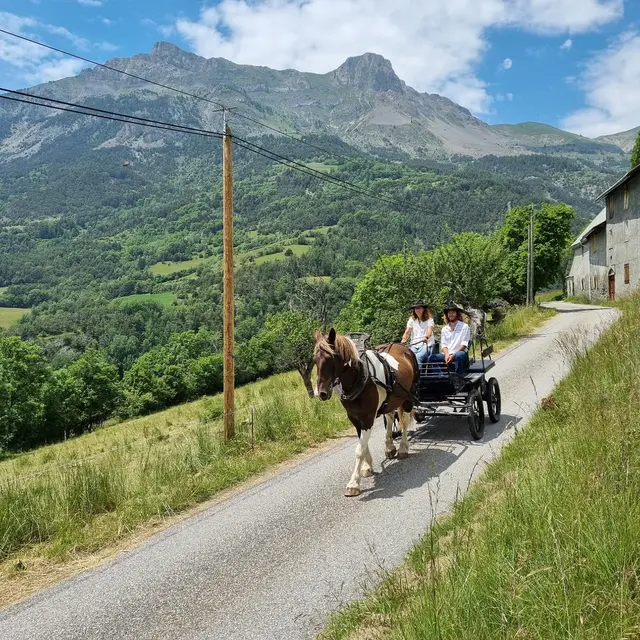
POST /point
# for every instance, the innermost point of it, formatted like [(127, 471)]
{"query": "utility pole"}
[(228, 283), (530, 260)]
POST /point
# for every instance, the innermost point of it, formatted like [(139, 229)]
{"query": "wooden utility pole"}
[(228, 284), (530, 260)]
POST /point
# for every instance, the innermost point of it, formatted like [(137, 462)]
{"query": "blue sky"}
[(570, 63)]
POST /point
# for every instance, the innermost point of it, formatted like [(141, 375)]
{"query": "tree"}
[(635, 154), (552, 234), (23, 372), (474, 265), (290, 336), (88, 392), (381, 300)]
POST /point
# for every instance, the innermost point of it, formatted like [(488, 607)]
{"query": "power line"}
[(169, 88), (103, 117), (110, 113)]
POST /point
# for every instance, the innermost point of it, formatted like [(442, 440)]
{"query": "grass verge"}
[(546, 543), (518, 323)]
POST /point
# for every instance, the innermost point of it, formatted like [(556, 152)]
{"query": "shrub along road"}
[(274, 561)]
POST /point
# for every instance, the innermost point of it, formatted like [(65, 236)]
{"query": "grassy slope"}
[(167, 268), (545, 544), (10, 315), (66, 501), (167, 298)]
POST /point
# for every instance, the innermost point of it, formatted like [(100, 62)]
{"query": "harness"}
[(366, 369)]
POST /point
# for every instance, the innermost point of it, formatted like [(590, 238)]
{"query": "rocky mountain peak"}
[(174, 55), (369, 71)]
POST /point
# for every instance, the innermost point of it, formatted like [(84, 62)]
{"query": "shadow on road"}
[(449, 429), (434, 446)]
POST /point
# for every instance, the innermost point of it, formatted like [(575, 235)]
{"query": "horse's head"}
[(334, 355)]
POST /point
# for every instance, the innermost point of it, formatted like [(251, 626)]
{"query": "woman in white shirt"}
[(419, 332)]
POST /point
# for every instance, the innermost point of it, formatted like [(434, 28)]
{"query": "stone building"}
[(587, 275), (623, 233)]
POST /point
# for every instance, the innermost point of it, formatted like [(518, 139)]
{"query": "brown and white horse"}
[(337, 363)]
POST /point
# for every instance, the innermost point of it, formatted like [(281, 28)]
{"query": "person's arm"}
[(466, 336), (430, 326), (407, 332), (444, 341)]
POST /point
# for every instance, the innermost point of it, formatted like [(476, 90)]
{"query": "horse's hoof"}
[(350, 492), (366, 473), (403, 455), (391, 453)]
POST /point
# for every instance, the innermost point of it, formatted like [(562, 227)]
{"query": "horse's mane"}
[(343, 347)]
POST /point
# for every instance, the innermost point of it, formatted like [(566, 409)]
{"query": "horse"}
[(337, 363)]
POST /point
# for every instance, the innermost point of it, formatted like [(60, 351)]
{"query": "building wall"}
[(623, 235), (589, 271)]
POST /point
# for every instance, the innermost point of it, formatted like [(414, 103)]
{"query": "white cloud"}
[(566, 45), (507, 63), (612, 90), (90, 3), (33, 63), (434, 46), (55, 70), (107, 46)]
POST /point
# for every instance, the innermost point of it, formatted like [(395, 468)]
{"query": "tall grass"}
[(99, 493), (547, 543), (518, 323)]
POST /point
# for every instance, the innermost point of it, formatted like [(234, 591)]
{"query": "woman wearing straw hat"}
[(419, 332)]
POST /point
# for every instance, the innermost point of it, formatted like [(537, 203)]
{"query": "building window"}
[(594, 243), (595, 282), (610, 238), (627, 277), (626, 197), (626, 231), (610, 204), (582, 284)]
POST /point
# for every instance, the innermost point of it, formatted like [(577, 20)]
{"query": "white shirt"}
[(454, 338), (419, 331)]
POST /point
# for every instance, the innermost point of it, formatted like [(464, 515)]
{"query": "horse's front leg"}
[(362, 451), (389, 447), (406, 418)]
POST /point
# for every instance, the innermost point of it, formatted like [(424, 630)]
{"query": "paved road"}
[(272, 562)]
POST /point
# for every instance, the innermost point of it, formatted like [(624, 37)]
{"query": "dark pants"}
[(460, 361)]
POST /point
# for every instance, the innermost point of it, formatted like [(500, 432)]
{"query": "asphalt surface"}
[(274, 561)]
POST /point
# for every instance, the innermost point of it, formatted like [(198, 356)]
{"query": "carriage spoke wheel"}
[(475, 414), (494, 401)]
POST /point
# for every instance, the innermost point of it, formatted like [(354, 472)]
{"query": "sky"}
[(574, 64)]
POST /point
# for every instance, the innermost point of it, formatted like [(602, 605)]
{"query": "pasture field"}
[(545, 543), (167, 268), (63, 504), (297, 249), (167, 298), (10, 315), (3, 290)]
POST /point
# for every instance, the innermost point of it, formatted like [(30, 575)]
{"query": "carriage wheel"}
[(475, 417), (494, 401)]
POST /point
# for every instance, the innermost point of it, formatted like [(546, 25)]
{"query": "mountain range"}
[(363, 103)]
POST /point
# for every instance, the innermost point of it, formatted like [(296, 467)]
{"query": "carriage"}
[(442, 392)]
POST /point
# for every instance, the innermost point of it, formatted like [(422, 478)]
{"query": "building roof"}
[(622, 180), (598, 221)]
